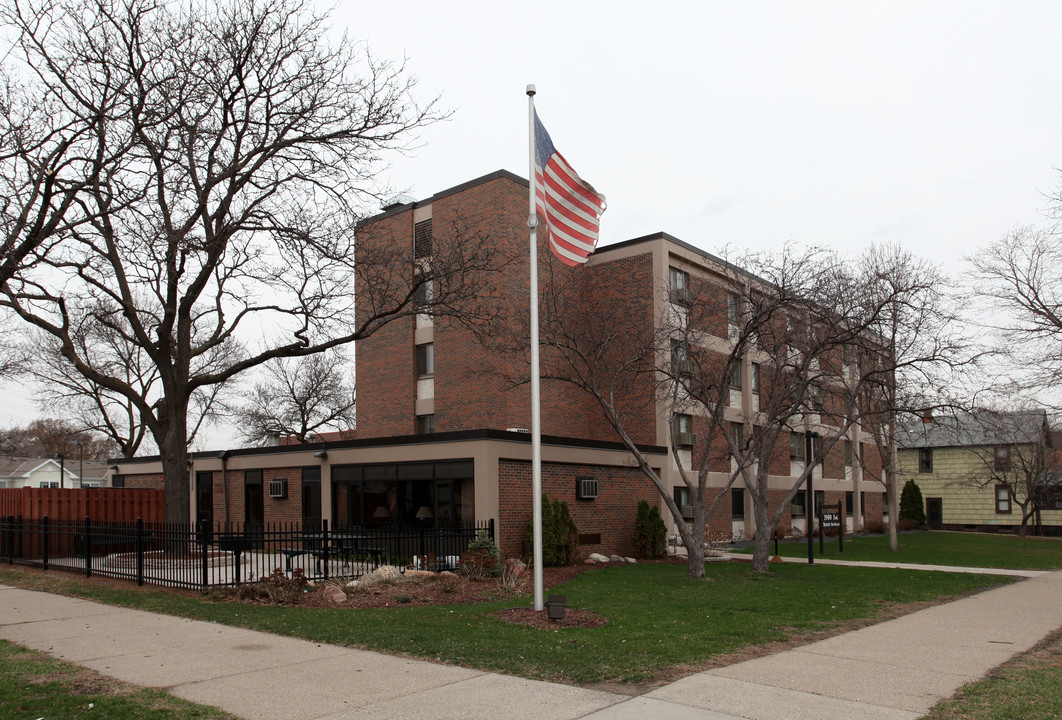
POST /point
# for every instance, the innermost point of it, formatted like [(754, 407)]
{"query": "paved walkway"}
[(895, 670)]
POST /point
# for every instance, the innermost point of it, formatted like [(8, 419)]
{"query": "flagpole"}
[(536, 402)]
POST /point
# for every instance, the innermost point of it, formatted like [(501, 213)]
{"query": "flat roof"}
[(402, 440)]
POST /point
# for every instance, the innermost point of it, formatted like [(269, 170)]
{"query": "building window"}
[(678, 285), (425, 293), (680, 358), (925, 460), (422, 239), (735, 374), (796, 446), (733, 308), (885, 504), (1002, 499), (820, 501), (737, 430), (1001, 456), (682, 499), (683, 429), (755, 378), (799, 506), (253, 497), (425, 360), (737, 503), (425, 424), (863, 504), (118, 481), (848, 453), (849, 503)]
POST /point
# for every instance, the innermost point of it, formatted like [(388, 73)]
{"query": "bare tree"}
[(1019, 276), (782, 324), (299, 397), (231, 146), (49, 437), (914, 344), (98, 408)]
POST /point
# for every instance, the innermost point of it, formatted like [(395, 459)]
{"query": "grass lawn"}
[(1029, 687), (657, 618), (33, 685), (941, 548)]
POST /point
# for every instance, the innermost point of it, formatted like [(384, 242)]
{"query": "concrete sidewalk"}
[(891, 671)]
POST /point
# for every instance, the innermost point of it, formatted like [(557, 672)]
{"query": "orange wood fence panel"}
[(100, 504)]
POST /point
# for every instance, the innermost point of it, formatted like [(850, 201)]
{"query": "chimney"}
[(927, 416)]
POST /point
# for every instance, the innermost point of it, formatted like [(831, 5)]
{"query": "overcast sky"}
[(744, 124)]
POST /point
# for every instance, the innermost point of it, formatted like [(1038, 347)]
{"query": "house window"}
[(679, 286), (925, 460), (1001, 456), (796, 446), (799, 507), (737, 503), (683, 429), (422, 239), (425, 360), (47, 484), (425, 424), (755, 378), (1002, 499), (118, 481), (682, 499)]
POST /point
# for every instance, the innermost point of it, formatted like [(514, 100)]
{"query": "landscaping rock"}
[(515, 568), (387, 572), (333, 595), (419, 575), (630, 560), (615, 558), (447, 574), (596, 558)]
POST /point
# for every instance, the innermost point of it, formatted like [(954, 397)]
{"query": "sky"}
[(741, 126)]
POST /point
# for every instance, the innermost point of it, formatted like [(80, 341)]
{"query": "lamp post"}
[(62, 469), (809, 504)]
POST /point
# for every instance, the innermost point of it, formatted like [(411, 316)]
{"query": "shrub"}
[(482, 559), (650, 532), (283, 590), (560, 537), (912, 507)]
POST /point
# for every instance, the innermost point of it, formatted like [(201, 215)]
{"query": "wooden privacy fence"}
[(101, 504)]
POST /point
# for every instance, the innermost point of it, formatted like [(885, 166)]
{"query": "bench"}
[(307, 545)]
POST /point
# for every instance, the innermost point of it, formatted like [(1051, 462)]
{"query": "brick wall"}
[(611, 515)]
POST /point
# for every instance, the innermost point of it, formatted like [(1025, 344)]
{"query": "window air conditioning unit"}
[(687, 512), (278, 489), (686, 439), (585, 488)]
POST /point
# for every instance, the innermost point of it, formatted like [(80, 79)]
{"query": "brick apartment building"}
[(443, 411)]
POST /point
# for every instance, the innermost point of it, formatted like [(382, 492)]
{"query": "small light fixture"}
[(424, 513), (380, 513), (321, 454), (555, 607)]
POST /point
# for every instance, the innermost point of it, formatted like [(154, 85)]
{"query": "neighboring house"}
[(18, 472), (442, 427), (984, 470)]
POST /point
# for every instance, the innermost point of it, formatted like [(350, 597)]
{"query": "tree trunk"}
[(695, 560), (761, 555), (173, 448), (891, 497)]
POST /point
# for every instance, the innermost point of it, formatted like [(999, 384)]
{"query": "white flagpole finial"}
[(531, 90)]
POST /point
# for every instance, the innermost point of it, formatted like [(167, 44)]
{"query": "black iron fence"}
[(202, 556)]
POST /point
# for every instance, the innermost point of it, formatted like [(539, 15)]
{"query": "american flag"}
[(569, 206)]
